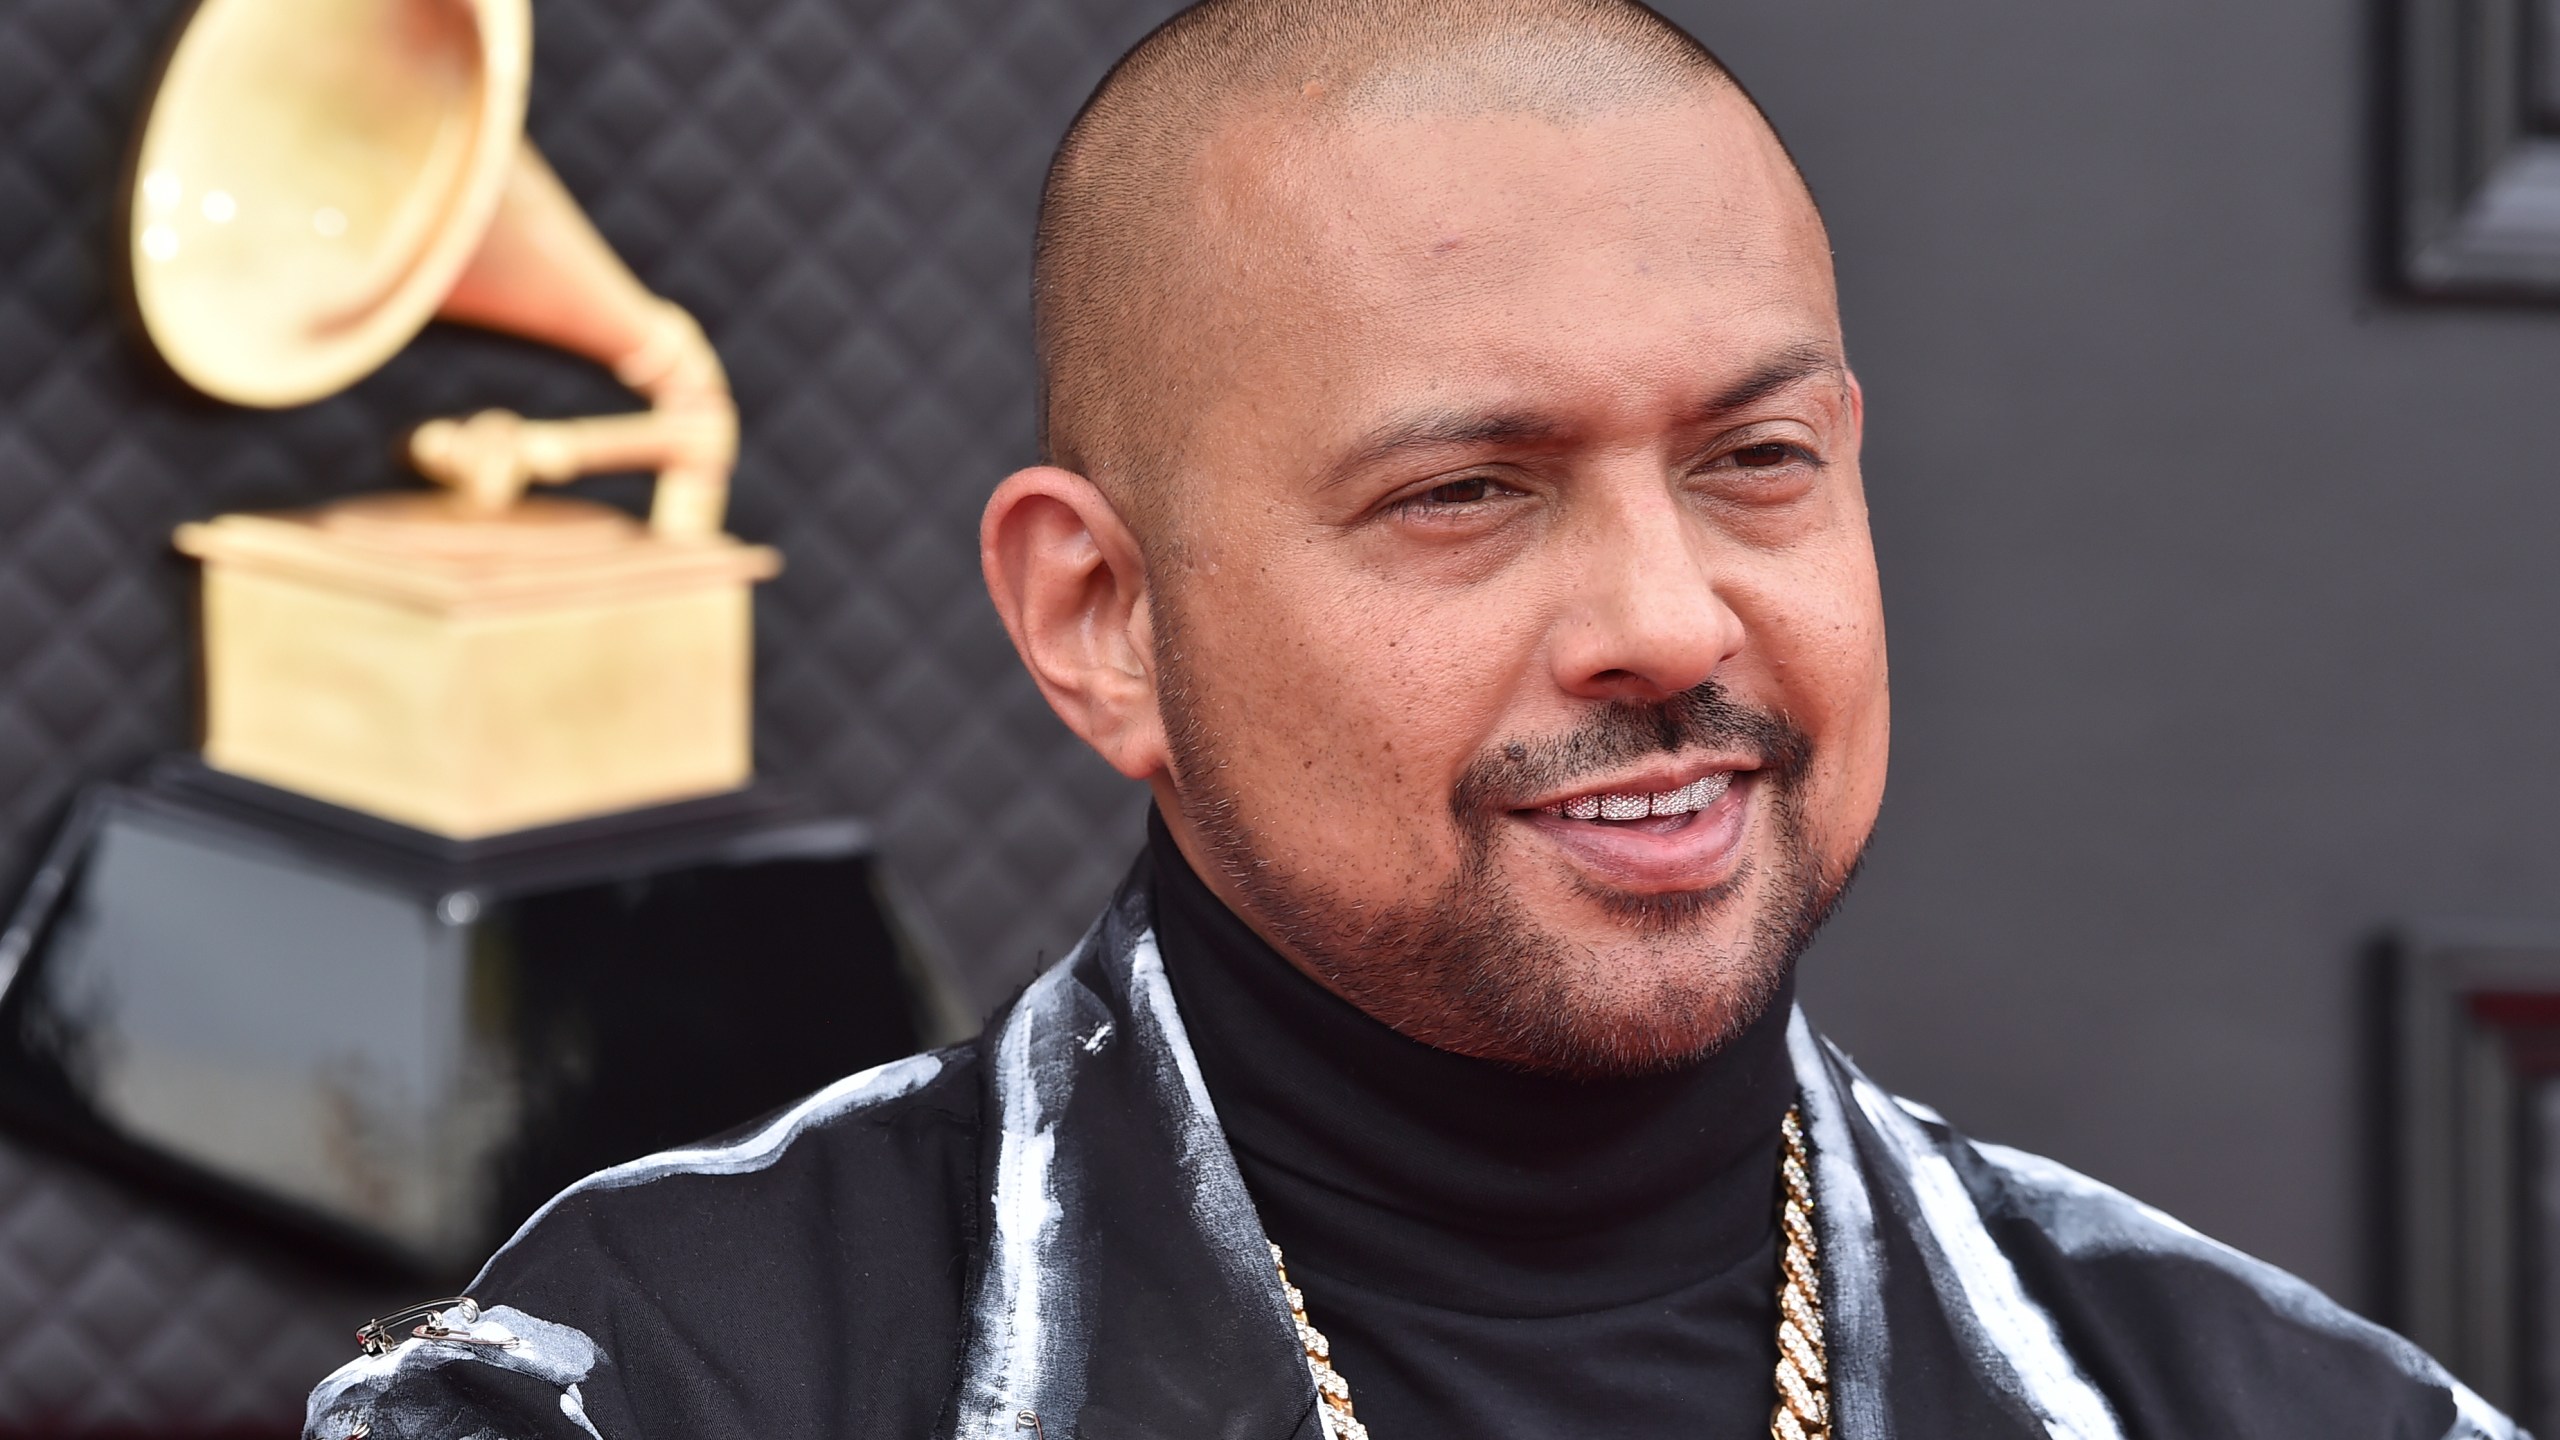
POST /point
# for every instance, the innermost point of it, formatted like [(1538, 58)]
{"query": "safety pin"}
[(1030, 1420), (376, 1337)]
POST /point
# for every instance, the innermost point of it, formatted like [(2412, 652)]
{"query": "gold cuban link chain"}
[(1803, 1411)]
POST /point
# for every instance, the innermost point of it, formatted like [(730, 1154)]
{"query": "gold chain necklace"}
[(1803, 1411)]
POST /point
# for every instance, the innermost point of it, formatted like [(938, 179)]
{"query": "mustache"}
[(1510, 774)]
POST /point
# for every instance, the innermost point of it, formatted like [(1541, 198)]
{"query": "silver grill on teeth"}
[(1697, 795)]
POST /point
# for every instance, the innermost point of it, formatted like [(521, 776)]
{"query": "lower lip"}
[(1654, 857)]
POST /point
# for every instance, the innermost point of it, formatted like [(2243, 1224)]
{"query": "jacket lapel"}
[(1931, 1332), (1125, 1289)]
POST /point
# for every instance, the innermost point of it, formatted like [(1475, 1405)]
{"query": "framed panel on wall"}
[(2476, 128), (2475, 1160)]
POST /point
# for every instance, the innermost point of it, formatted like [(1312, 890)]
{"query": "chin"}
[(1599, 1001), (1641, 1014)]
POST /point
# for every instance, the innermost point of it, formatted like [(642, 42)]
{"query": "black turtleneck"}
[(1494, 1254)]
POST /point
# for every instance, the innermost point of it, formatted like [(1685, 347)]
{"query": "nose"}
[(1643, 620)]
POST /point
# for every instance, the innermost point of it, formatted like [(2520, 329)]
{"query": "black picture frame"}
[(2473, 1025), (2476, 127)]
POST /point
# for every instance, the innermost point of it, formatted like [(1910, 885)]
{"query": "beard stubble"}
[(1467, 968)]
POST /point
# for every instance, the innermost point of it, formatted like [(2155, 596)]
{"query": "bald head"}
[(1451, 425), (1147, 240)]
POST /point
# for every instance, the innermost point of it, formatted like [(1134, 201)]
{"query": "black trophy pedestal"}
[(403, 1044)]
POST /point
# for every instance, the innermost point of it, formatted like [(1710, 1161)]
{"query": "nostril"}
[(1624, 684)]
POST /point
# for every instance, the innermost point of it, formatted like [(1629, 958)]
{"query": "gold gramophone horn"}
[(319, 178)]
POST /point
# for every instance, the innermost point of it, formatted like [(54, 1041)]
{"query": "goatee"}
[(1468, 968)]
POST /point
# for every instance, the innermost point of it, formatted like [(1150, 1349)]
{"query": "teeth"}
[(1697, 795)]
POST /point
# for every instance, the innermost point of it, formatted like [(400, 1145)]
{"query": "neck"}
[(1459, 1182)]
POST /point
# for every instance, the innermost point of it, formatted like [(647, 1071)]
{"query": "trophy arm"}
[(544, 273), (489, 459)]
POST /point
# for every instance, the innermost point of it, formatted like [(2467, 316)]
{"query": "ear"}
[(1066, 575)]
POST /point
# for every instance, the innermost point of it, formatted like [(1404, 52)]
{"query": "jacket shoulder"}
[(801, 1275), (2187, 1335)]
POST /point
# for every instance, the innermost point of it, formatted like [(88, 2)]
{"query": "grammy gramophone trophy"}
[(473, 898), (315, 181)]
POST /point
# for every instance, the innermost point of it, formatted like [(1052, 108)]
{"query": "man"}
[(1454, 517)]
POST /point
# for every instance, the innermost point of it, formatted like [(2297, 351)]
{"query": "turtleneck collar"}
[(1462, 1183)]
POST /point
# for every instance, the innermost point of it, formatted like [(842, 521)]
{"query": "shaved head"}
[(1453, 512), (1148, 234)]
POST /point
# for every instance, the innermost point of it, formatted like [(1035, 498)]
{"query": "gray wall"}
[(2214, 580), (2221, 590)]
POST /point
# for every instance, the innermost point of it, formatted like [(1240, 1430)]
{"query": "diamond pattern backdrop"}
[(842, 190)]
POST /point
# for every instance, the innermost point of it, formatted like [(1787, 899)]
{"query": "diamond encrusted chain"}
[(1333, 1393), (1803, 1411)]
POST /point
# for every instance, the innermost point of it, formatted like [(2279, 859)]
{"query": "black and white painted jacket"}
[(1041, 1235)]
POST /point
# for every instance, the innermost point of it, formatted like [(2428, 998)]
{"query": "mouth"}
[(1660, 832)]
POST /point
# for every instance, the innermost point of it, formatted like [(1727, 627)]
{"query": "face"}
[(1513, 626)]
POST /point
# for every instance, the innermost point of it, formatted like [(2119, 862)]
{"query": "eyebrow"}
[(1440, 431), (1444, 430), (1783, 371)]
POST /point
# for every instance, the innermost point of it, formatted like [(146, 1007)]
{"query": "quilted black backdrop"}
[(842, 190)]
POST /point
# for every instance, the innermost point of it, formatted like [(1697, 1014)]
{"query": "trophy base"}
[(471, 676), (387, 1047)]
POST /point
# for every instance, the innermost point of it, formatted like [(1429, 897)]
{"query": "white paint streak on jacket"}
[(1860, 1345), (1027, 1345), (503, 1337), (2087, 1219), (2019, 1347), (855, 1092)]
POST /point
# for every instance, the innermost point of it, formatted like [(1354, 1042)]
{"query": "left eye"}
[(1763, 457)]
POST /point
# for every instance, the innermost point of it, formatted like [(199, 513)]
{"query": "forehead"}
[(1649, 248)]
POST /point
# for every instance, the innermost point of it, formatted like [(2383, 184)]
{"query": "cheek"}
[(1345, 711), (1851, 768), (1828, 663)]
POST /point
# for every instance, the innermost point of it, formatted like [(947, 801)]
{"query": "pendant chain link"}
[(1803, 1409)]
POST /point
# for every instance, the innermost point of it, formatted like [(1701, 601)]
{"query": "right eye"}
[(1472, 490)]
